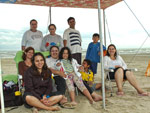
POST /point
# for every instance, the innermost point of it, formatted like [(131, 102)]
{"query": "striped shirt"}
[(73, 38)]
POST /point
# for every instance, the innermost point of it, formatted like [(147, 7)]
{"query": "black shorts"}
[(112, 74)]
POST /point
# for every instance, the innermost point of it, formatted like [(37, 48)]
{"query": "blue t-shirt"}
[(92, 52)]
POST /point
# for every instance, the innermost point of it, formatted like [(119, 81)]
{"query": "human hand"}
[(90, 83), (63, 74), (58, 64), (116, 66), (81, 68), (45, 101)]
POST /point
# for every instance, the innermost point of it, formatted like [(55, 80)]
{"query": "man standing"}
[(72, 39), (33, 37)]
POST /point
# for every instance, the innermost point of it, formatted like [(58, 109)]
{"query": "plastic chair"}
[(113, 80), (18, 58)]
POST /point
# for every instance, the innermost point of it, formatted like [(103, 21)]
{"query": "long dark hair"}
[(107, 53), (62, 51), (45, 71), (25, 51)]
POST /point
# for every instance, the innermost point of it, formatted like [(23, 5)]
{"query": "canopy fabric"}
[(65, 3)]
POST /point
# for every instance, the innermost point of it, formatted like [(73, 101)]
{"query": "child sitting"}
[(87, 75), (70, 67)]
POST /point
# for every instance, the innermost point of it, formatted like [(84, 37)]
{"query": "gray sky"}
[(124, 28)]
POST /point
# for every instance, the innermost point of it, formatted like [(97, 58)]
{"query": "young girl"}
[(70, 66)]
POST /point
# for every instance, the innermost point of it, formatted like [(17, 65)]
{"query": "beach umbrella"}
[(97, 4)]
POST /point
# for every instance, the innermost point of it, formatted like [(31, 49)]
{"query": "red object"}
[(104, 53), (47, 44), (61, 69)]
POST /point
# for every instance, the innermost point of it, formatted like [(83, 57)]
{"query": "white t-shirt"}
[(51, 40), (73, 38), (32, 39), (109, 63), (51, 63)]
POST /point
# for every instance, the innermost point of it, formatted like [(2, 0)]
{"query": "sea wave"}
[(11, 54)]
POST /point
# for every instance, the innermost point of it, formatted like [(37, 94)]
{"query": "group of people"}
[(71, 38), (38, 81), (46, 79)]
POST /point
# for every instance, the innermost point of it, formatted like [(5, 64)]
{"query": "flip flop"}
[(67, 106), (144, 94), (120, 93)]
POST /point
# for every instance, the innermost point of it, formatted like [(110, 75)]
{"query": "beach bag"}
[(12, 97)]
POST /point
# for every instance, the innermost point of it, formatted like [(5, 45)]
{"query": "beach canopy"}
[(97, 4), (65, 3)]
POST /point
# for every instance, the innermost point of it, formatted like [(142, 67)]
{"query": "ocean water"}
[(11, 54)]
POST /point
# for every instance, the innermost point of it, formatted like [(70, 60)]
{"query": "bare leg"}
[(54, 100), (132, 80), (119, 79), (98, 86), (33, 101), (72, 96), (96, 97), (87, 94), (63, 100)]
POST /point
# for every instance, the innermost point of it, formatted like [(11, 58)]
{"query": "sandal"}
[(67, 106), (120, 93), (144, 94)]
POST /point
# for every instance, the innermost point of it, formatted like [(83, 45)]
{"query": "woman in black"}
[(38, 86)]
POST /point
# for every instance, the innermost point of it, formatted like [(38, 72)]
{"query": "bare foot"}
[(54, 108), (73, 103), (34, 110), (63, 100), (97, 98), (91, 102)]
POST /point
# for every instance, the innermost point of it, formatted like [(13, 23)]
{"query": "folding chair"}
[(17, 59), (113, 80), (108, 79)]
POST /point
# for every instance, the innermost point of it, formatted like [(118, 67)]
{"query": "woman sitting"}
[(26, 63), (113, 60), (38, 86), (70, 67)]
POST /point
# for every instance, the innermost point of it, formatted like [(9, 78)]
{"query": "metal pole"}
[(101, 56), (1, 91), (104, 27), (50, 19)]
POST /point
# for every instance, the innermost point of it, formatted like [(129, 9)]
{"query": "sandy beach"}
[(129, 103)]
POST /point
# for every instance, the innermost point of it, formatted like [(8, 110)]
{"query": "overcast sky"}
[(125, 31)]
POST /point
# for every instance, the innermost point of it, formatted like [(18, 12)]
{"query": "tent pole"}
[(50, 19), (104, 27), (101, 56), (1, 91)]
